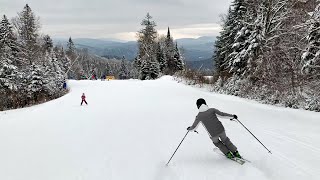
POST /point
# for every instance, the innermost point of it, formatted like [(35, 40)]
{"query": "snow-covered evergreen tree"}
[(8, 41), (161, 57), (8, 55), (146, 61), (71, 49), (218, 57), (237, 59), (147, 36), (249, 40), (311, 56), (108, 70), (27, 26), (53, 67), (63, 59), (172, 56), (123, 74), (35, 81), (137, 62), (144, 68), (154, 68), (169, 52), (76, 69), (178, 59), (53, 74), (47, 43), (223, 45), (149, 68), (8, 71), (249, 26)]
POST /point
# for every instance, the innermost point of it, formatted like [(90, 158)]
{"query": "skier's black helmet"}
[(200, 102)]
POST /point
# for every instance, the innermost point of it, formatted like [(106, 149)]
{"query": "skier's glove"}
[(235, 117), (189, 128)]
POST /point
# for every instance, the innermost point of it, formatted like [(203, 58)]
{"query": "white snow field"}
[(130, 129)]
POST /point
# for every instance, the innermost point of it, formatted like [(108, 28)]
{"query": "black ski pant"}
[(223, 143), (84, 101)]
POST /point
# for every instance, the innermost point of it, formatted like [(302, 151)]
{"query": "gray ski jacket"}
[(208, 117)]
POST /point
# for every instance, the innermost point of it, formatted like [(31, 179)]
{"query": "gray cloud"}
[(121, 18)]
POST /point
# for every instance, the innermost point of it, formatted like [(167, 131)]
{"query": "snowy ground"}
[(131, 128)]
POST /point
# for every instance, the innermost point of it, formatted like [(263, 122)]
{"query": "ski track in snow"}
[(130, 129)]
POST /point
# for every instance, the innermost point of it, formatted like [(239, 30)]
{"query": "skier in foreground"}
[(83, 97), (208, 117)]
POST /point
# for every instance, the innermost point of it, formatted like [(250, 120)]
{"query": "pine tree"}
[(47, 43), (154, 69), (161, 57), (137, 62), (54, 69), (8, 52), (147, 36), (223, 45), (8, 41), (124, 74), (27, 25), (144, 68), (169, 41), (149, 68), (53, 74), (169, 52), (108, 70), (146, 60), (71, 50), (47, 48), (63, 59), (233, 39), (236, 60), (218, 58), (8, 71), (35, 82), (311, 56), (76, 70), (178, 59)]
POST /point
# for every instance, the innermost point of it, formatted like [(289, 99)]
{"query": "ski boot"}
[(236, 154), (229, 155)]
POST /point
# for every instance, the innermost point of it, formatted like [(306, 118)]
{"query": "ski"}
[(218, 151), (237, 160), (245, 160)]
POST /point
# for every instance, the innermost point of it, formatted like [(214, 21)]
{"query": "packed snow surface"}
[(130, 129)]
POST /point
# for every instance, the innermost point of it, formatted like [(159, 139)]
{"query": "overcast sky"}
[(121, 19)]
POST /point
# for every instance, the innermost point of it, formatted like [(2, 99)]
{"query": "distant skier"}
[(64, 85), (208, 117), (83, 97), (103, 77)]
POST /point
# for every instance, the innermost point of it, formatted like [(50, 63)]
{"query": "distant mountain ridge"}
[(106, 48), (206, 65), (197, 49), (193, 49)]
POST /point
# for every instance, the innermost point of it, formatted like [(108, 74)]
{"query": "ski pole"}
[(177, 148), (253, 136)]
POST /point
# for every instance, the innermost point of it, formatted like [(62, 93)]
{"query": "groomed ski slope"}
[(131, 128)]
